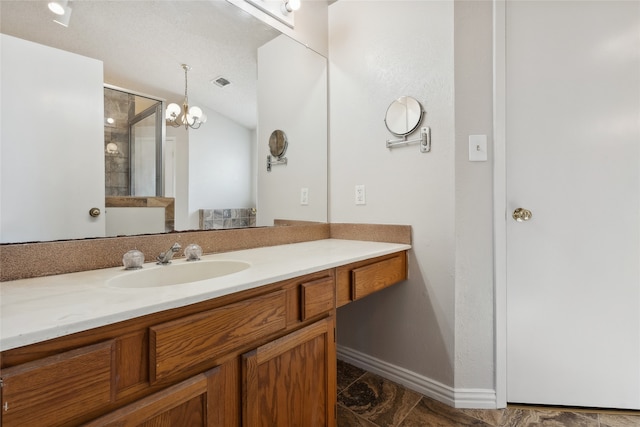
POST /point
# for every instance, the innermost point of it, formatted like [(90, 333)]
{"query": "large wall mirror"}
[(141, 46)]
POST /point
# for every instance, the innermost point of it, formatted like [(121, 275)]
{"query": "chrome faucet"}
[(165, 257)]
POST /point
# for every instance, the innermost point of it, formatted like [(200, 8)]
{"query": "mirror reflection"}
[(403, 116), (278, 143), (209, 170), (133, 138)]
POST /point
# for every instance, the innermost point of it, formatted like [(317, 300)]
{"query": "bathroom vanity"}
[(255, 347)]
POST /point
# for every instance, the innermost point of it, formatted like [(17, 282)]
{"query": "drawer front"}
[(373, 277), (59, 388), (317, 297), (184, 343)]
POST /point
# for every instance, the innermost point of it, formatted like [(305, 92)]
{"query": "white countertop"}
[(38, 309)]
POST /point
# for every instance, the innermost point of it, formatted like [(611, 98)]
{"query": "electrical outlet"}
[(360, 195), (304, 196)]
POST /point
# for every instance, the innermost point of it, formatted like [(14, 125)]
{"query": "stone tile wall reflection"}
[(219, 219), (118, 106)]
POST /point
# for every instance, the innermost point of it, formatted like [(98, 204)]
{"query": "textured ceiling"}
[(143, 43)]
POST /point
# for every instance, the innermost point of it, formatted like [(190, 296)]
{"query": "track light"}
[(63, 11), (289, 6), (58, 6)]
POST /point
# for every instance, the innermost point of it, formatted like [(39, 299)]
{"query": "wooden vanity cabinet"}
[(261, 357)]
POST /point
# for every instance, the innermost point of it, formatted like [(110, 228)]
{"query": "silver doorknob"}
[(522, 215)]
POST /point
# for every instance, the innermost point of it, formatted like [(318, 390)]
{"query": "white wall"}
[(474, 312), (128, 221), (372, 62), (51, 143), (297, 78), (181, 153), (220, 166), (433, 333)]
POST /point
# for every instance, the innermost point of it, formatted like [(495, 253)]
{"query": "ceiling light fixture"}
[(192, 117), (57, 7), (289, 6), (63, 11)]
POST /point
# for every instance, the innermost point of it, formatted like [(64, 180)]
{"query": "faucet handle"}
[(193, 252), (133, 260)]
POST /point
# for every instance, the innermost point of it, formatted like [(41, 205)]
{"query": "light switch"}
[(477, 148)]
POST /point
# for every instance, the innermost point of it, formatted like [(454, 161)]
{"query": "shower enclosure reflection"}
[(134, 124), (133, 140)]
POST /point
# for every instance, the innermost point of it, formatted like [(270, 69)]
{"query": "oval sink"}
[(175, 274)]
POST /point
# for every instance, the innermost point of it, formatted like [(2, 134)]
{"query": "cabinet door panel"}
[(182, 405), (59, 388), (291, 381)]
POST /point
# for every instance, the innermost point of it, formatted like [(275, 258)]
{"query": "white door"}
[(572, 147)]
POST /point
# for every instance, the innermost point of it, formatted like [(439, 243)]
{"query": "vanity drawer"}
[(357, 280), (317, 297), (57, 389), (187, 342)]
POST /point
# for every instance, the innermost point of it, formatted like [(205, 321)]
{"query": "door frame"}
[(500, 201)]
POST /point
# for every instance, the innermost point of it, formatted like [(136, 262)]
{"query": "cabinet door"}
[(186, 404), (292, 381), (58, 389)]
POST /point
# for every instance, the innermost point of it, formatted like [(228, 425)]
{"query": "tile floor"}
[(367, 400)]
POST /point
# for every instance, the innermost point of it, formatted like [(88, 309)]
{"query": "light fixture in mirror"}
[(57, 7), (190, 117), (289, 6), (62, 10)]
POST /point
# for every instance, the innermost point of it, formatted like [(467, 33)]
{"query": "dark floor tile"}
[(348, 374), (346, 418), (429, 412), (378, 400), (613, 420), (548, 418), (493, 417)]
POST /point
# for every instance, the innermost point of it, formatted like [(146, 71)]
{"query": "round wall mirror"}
[(403, 116), (278, 143)]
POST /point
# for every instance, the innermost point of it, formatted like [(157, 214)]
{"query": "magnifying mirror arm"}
[(275, 161), (424, 140)]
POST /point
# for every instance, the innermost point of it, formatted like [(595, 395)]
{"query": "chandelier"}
[(192, 117)]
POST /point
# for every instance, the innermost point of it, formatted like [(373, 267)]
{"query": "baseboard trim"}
[(457, 398)]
